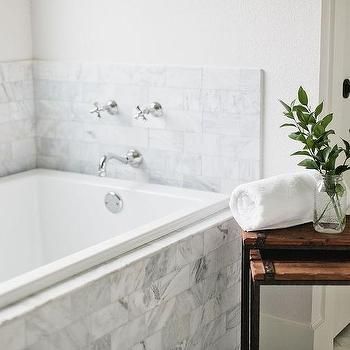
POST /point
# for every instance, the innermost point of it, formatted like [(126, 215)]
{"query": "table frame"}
[(250, 290)]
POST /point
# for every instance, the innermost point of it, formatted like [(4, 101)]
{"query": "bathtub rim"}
[(60, 290), (36, 280)]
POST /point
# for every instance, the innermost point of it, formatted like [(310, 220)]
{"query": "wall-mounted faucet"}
[(155, 109), (110, 107), (132, 158)]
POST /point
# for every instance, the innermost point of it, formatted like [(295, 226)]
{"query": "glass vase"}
[(330, 204)]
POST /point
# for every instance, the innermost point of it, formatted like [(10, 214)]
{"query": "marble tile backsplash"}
[(209, 137), (184, 295), (17, 122)]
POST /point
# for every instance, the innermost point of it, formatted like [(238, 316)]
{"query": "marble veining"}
[(17, 118), (182, 296)]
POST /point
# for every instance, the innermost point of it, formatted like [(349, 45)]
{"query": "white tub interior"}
[(49, 215)]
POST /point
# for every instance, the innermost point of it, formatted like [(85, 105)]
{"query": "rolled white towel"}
[(276, 202)]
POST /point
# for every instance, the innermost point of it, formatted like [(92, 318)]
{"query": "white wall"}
[(15, 30), (281, 37)]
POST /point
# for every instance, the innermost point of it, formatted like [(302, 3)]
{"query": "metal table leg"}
[(245, 280), (254, 315)]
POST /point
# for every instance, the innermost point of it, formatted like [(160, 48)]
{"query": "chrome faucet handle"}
[(140, 114), (155, 109), (110, 107), (97, 110)]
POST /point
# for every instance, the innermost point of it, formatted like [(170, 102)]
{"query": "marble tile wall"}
[(209, 137), (185, 295), (17, 124)]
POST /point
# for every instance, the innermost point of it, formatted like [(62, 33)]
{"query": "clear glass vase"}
[(330, 204)]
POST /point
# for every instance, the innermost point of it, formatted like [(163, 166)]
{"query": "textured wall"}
[(185, 295), (209, 137), (17, 124)]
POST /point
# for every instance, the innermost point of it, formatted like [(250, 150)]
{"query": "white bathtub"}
[(55, 224)]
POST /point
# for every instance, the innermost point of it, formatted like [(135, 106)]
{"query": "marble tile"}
[(192, 100), (151, 75), (223, 167), (12, 335), (190, 299), (161, 290), (61, 71), (207, 111), (229, 341), (127, 280), (92, 297), (17, 71), (132, 333), (157, 318), (75, 336), (221, 78), (169, 98), (203, 267), (176, 332), (233, 317), (153, 342), (48, 319), (103, 343), (160, 264), (189, 250), (202, 183), (222, 123), (215, 238), (166, 140), (107, 319), (180, 77), (213, 331)]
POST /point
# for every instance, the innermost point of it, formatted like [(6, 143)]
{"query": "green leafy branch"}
[(311, 130)]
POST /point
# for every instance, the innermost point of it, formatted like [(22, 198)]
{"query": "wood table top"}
[(302, 237), (288, 269)]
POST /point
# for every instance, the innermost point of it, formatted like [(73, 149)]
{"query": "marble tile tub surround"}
[(209, 137), (17, 123), (183, 294)]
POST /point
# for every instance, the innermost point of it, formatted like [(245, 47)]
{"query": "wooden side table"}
[(297, 242)]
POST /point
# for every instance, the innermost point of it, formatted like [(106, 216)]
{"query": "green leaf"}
[(326, 120), (347, 145), (308, 164), (312, 119), (310, 141), (300, 116), (339, 190), (288, 108), (300, 108), (340, 169), (319, 109), (301, 153), (318, 130), (289, 115), (298, 136), (302, 96), (325, 136), (286, 124), (325, 153), (304, 126)]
